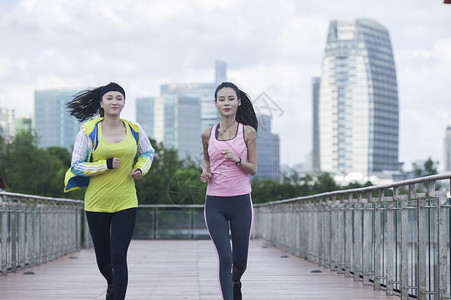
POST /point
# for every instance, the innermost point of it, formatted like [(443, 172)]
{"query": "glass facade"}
[(52, 121), (315, 105), (205, 92), (268, 148), (358, 100), (173, 120)]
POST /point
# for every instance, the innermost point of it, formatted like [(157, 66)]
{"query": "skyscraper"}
[(268, 148), (7, 128), (220, 72), (205, 92), (358, 99), (315, 104), (52, 121), (173, 120), (447, 166)]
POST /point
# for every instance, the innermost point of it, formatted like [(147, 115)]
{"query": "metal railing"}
[(36, 229), (393, 236)]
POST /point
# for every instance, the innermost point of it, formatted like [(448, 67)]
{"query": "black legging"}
[(111, 235), (218, 212)]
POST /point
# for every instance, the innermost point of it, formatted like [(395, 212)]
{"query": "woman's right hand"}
[(116, 163), (205, 176)]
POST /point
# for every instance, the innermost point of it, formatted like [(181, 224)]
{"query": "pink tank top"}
[(227, 179)]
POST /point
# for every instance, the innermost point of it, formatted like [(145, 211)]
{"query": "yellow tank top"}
[(113, 190)]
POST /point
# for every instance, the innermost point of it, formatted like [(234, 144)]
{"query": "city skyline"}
[(274, 49)]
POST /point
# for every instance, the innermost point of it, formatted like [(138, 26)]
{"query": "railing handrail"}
[(361, 190), (41, 198)]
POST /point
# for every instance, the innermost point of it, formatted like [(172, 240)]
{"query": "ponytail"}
[(85, 104), (245, 113)]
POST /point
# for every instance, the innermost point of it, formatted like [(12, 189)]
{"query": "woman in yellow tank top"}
[(103, 160)]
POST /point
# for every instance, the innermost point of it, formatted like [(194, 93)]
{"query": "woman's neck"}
[(227, 122), (112, 121)]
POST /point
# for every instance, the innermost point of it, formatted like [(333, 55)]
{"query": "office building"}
[(358, 100), (23, 124), (447, 160), (220, 72), (205, 92), (315, 135), (7, 129), (53, 124), (268, 150), (173, 120)]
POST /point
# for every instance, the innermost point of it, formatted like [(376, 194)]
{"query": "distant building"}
[(268, 150), (315, 104), (52, 121), (7, 129), (447, 160), (23, 124), (172, 120), (358, 100), (220, 72), (205, 92)]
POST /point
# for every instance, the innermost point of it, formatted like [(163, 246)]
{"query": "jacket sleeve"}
[(81, 164), (145, 152)]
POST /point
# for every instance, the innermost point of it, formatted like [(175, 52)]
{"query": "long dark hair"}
[(245, 113), (85, 104)]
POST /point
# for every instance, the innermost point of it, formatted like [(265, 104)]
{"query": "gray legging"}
[(218, 212)]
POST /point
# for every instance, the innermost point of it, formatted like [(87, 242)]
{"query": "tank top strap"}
[(213, 131)]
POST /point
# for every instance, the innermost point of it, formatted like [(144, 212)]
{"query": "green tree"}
[(30, 170)]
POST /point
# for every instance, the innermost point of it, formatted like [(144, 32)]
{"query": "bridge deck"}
[(184, 270)]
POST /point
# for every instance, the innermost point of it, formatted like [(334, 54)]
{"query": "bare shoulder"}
[(206, 132), (249, 131)]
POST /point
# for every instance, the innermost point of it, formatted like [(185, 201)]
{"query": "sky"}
[(270, 46)]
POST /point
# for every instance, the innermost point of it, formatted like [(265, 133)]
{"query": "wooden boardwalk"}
[(178, 270)]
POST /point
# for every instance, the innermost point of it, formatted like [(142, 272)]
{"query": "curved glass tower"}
[(358, 100)]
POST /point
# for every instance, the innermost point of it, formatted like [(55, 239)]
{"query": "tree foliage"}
[(28, 169)]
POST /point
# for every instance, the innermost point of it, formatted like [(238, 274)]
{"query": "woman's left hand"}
[(136, 174)]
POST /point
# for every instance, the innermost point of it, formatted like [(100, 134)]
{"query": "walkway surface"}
[(178, 270)]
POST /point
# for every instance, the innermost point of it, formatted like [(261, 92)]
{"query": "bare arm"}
[(250, 136), (205, 176)]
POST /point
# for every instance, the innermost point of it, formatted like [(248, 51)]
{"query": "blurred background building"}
[(7, 127), (53, 124)]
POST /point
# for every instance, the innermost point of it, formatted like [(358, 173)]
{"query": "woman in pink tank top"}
[(230, 156)]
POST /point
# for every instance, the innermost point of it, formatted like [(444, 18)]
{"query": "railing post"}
[(404, 276), (368, 209), (4, 243), (341, 212), (422, 227), (390, 246), (333, 224), (348, 236), (443, 242), (13, 237), (358, 212), (378, 244), (22, 209)]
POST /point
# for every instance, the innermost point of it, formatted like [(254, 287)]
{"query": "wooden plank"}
[(184, 270)]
